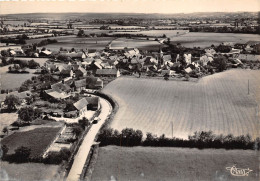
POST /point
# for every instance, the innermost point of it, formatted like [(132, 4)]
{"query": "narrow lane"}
[(81, 156)]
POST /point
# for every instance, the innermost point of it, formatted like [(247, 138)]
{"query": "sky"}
[(127, 6)]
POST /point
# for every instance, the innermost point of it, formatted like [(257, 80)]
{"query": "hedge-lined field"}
[(218, 102), (37, 140), (146, 163)]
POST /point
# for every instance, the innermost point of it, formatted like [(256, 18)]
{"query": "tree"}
[(77, 130), (5, 130), (81, 33), (4, 61), (33, 65), (5, 53), (11, 102), (27, 114), (22, 154), (84, 122), (220, 63), (166, 76), (4, 150)]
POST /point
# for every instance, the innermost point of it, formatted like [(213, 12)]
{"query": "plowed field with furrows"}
[(218, 102)]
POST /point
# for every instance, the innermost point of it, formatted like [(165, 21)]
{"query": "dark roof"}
[(92, 100), (60, 87), (65, 72), (106, 71), (80, 83)]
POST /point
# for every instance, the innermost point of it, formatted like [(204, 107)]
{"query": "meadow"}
[(7, 119), (147, 163), (37, 140), (96, 43), (11, 80), (204, 39), (28, 171), (218, 102)]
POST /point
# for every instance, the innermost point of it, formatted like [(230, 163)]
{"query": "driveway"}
[(81, 156)]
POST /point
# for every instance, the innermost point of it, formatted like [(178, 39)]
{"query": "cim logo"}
[(238, 171)]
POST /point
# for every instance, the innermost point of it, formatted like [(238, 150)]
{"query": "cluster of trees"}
[(127, 137), (203, 139), (11, 102), (46, 42), (28, 113), (20, 39), (23, 154)]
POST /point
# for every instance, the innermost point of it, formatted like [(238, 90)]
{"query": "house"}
[(187, 58), (61, 87), (108, 72), (79, 85), (45, 53), (169, 72), (54, 95), (94, 83), (74, 55), (93, 103), (81, 106)]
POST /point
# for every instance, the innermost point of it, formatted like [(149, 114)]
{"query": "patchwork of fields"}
[(218, 102), (204, 39), (147, 163)]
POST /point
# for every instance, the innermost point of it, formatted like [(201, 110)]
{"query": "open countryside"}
[(204, 39), (219, 103)]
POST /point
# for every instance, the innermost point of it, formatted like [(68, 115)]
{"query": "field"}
[(135, 43), (147, 163), (27, 171), (13, 81), (199, 39), (157, 33), (37, 140), (80, 43), (218, 102)]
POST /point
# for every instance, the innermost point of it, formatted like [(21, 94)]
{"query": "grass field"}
[(12, 81), (80, 43), (218, 102), (135, 43), (37, 140), (203, 39), (27, 171), (150, 164)]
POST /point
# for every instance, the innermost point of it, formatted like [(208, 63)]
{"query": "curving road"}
[(81, 156)]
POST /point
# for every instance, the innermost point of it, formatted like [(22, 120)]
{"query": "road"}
[(81, 156)]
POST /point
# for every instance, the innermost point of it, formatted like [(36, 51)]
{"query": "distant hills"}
[(86, 16)]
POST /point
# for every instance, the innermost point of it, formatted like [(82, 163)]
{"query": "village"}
[(56, 113)]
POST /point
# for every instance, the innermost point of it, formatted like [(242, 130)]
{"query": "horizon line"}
[(134, 12)]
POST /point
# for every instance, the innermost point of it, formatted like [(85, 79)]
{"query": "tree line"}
[(203, 139)]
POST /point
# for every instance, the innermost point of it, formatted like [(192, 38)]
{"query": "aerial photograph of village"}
[(130, 90)]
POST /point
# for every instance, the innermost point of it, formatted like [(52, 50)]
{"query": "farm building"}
[(93, 103), (108, 72), (54, 95), (81, 105)]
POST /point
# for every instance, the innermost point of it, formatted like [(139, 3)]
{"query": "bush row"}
[(203, 139)]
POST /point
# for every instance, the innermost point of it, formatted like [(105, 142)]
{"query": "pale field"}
[(204, 39), (135, 43), (28, 171), (218, 102), (6, 119), (173, 164)]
